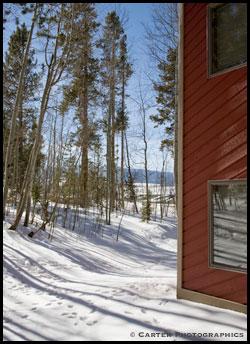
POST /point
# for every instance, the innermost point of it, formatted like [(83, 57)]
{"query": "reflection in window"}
[(228, 30), (228, 224)]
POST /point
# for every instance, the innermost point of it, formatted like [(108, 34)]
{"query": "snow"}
[(90, 287)]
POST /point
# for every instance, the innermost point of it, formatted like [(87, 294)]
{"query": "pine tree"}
[(162, 42), (82, 90), (130, 182), (125, 72), (110, 44), (166, 89), (168, 110), (56, 63), (18, 96), (146, 207), (26, 114)]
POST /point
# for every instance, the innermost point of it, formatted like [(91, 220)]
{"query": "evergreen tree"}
[(82, 91), (162, 43), (110, 44), (125, 71), (61, 16), (166, 89), (146, 207), (17, 103), (26, 115)]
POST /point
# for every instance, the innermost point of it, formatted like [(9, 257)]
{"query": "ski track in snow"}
[(76, 288)]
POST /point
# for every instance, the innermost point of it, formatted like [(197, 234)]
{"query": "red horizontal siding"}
[(219, 284), (214, 147), (194, 194), (198, 97), (195, 47), (194, 71), (198, 255), (222, 169), (198, 270), (198, 241), (214, 101), (190, 222), (192, 14), (218, 158), (193, 232), (230, 111), (197, 204)]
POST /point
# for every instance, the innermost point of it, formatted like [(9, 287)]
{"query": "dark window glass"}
[(228, 224), (229, 36)]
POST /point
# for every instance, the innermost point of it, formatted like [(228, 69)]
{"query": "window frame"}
[(210, 73), (211, 263)]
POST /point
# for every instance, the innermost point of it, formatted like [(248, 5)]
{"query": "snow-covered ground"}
[(155, 190), (91, 287)]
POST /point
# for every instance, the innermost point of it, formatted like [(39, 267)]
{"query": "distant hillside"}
[(154, 177)]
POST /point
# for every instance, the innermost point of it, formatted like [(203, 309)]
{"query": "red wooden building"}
[(212, 154)]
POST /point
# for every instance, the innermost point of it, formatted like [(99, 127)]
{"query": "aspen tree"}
[(110, 43), (55, 66), (125, 72), (15, 112), (143, 107), (23, 138), (162, 44)]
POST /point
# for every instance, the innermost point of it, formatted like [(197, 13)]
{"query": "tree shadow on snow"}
[(65, 294)]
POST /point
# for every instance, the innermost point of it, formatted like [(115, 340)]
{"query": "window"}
[(227, 205), (227, 37)]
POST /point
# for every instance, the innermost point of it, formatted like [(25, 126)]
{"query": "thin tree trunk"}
[(122, 141), (27, 215), (122, 169), (131, 183), (146, 162), (146, 209), (15, 112), (53, 76), (84, 167), (34, 152), (33, 211), (108, 176), (112, 96)]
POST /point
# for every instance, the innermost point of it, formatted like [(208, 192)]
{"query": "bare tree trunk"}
[(27, 215), (112, 193), (84, 167), (55, 70), (54, 152), (145, 149), (131, 183), (14, 114), (122, 143), (111, 143), (108, 174), (33, 157), (163, 186), (122, 169)]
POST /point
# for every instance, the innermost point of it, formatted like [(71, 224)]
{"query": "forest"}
[(90, 179), (66, 122)]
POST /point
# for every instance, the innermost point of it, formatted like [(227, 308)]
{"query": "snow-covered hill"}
[(153, 176), (91, 287)]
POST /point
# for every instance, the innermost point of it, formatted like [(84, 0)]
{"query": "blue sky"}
[(137, 14)]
